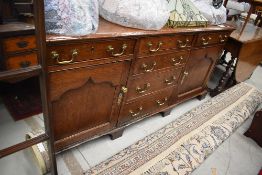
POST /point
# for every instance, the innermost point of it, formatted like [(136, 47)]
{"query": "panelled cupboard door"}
[(85, 100), (198, 70)]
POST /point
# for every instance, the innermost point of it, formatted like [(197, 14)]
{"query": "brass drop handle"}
[(205, 41), (121, 94), (184, 76), (55, 55), (182, 44), (111, 49), (134, 114), (149, 44), (159, 103), (222, 39), (146, 69), (143, 90), (178, 61), (171, 81)]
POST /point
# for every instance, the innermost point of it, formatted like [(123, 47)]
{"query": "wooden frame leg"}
[(165, 113), (116, 134), (224, 79), (222, 60)]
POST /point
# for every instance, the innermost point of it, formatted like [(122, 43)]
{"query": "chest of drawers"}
[(99, 84), (18, 52)]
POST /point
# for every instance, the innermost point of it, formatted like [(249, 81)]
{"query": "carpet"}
[(181, 146), (22, 99)]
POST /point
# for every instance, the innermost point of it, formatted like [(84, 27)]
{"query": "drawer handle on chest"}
[(22, 44), (159, 103), (55, 55), (149, 44), (205, 41), (141, 91), (184, 76), (134, 114), (176, 61), (222, 39), (182, 44), (171, 81), (111, 49), (146, 69), (25, 64)]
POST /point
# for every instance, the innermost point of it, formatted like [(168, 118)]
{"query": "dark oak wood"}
[(145, 84), (166, 113), (20, 73), (144, 106), (198, 70), (100, 92), (41, 46), (23, 145), (116, 134), (158, 62), (20, 43), (246, 55)]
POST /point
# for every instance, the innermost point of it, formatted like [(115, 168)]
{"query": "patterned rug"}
[(181, 146)]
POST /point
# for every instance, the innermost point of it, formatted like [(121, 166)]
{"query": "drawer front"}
[(148, 83), (151, 45), (21, 61), (73, 53), (21, 43), (144, 106), (153, 63), (211, 38)]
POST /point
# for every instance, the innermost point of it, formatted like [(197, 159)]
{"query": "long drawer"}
[(152, 45), (21, 61), (147, 83), (142, 107), (88, 51), (206, 39), (18, 44), (157, 62)]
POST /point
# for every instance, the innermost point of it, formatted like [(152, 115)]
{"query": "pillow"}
[(141, 14), (71, 17)]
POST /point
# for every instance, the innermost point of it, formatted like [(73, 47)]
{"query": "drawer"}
[(211, 38), (157, 62), (148, 83), (21, 43), (21, 61), (152, 45), (73, 53), (144, 106)]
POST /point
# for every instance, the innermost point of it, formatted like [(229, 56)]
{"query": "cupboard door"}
[(198, 69), (84, 100)]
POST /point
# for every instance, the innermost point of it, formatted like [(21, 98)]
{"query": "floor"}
[(238, 155)]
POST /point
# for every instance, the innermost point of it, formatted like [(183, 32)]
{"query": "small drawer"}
[(148, 83), (73, 53), (211, 38), (21, 61), (152, 45), (157, 62), (144, 106), (17, 44)]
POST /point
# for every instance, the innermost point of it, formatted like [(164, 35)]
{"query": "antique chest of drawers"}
[(19, 52), (101, 83)]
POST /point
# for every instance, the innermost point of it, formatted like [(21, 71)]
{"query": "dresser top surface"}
[(110, 30)]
